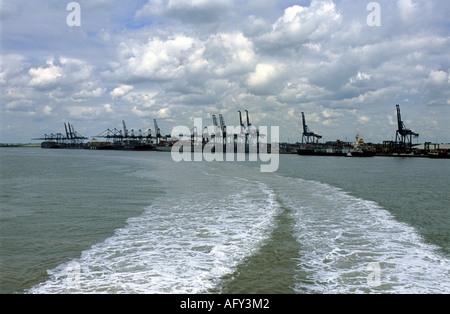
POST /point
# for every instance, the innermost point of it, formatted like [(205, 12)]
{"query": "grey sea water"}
[(76, 221)]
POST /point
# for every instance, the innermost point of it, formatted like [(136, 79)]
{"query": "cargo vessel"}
[(121, 145), (338, 148), (70, 140)]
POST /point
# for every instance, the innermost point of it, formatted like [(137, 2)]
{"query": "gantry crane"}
[(403, 136), (308, 136), (72, 139)]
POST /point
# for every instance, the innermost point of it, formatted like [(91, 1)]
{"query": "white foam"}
[(183, 243), (201, 230), (344, 237)]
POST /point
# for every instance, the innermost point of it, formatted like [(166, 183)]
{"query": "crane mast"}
[(222, 123), (223, 127), (240, 122), (67, 133), (248, 120), (157, 129)]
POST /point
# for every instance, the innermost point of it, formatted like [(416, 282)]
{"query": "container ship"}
[(310, 146), (108, 140), (338, 148), (70, 140), (121, 145)]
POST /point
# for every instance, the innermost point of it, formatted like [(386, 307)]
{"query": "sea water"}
[(76, 221)]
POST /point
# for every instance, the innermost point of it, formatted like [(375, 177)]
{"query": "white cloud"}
[(266, 79), (62, 73), (88, 113), (88, 94), (157, 59), (20, 105), (11, 65), (363, 119), (300, 25), (48, 110), (162, 113), (360, 77), (187, 58), (328, 113), (438, 78), (229, 54), (121, 90), (108, 108), (43, 77), (407, 9)]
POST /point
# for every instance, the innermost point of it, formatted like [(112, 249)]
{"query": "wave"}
[(200, 231), (352, 245), (183, 243)]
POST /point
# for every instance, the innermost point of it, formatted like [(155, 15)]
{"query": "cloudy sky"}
[(176, 60)]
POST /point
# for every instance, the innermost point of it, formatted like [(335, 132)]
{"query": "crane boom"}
[(67, 133), (157, 129), (305, 127), (71, 131), (240, 119), (399, 120), (222, 123), (215, 120)]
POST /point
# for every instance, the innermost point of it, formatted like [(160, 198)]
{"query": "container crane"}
[(308, 136), (403, 136), (72, 139)]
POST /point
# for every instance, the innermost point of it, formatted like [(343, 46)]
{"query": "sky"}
[(346, 64)]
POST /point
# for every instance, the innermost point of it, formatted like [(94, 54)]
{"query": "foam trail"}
[(351, 245), (183, 243), (197, 233)]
